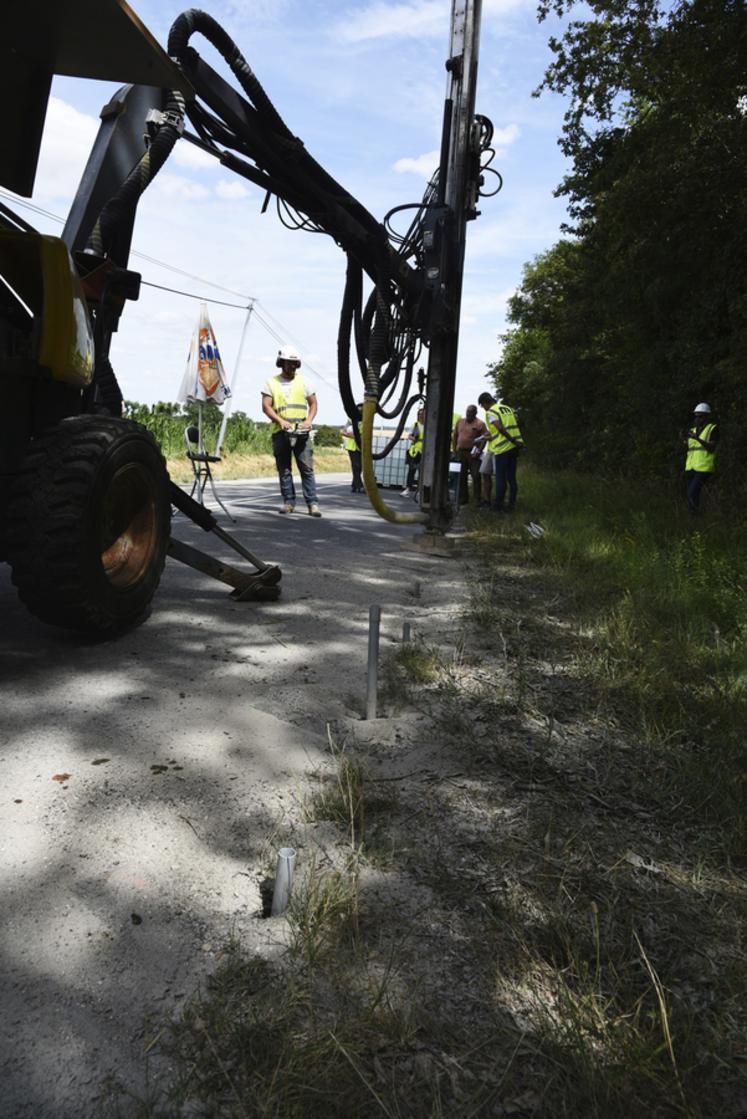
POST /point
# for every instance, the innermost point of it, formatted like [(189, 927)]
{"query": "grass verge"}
[(657, 603), (557, 932)]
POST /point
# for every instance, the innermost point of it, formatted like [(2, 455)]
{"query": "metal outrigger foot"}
[(263, 583)]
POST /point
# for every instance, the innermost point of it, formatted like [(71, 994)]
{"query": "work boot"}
[(287, 508), (314, 510)]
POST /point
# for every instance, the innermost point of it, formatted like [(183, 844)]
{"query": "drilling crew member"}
[(504, 442), (414, 452), (290, 402), (466, 433), (700, 463), (354, 452)]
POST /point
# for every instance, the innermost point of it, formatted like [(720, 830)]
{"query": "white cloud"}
[(421, 17), (418, 18), (262, 11), (519, 233), (187, 155), (176, 186), (478, 304), (231, 189), (507, 135), (423, 165), (166, 318), (66, 145), (503, 7)]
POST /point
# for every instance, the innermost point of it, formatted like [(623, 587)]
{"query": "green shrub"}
[(167, 422)]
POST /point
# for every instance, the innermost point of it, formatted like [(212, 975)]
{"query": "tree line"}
[(640, 311)]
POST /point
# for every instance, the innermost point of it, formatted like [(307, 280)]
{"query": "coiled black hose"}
[(118, 213)]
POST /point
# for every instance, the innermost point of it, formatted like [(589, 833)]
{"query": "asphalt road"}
[(148, 780)]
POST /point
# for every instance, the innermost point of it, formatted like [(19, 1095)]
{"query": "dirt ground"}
[(558, 938), (146, 779)]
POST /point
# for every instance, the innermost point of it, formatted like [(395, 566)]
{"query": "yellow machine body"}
[(40, 270)]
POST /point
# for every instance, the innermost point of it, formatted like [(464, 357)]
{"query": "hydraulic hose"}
[(378, 349), (369, 480), (350, 302), (118, 211), (194, 20)]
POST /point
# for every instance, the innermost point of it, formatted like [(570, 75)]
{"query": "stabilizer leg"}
[(263, 584)]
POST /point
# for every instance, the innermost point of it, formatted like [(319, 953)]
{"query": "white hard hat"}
[(287, 353), (702, 408)]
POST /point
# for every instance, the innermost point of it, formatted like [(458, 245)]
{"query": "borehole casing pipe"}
[(374, 623), (283, 880)]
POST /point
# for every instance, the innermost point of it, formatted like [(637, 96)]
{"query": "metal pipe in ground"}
[(406, 633), (374, 624)]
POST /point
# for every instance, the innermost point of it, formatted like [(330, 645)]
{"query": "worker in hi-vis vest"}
[(354, 452), (289, 400), (414, 452), (504, 443), (700, 463)]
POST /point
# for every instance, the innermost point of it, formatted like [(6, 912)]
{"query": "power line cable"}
[(279, 338), (285, 337), (270, 330), (31, 206), (191, 295), (141, 256), (191, 276)]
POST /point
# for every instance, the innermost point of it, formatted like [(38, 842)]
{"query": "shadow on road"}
[(147, 778)]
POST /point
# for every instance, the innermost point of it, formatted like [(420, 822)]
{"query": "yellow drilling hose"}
[(369, 412)]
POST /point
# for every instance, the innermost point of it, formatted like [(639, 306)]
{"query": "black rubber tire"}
[(88, 524)]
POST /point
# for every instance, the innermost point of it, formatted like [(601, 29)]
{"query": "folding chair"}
[(201, 461)]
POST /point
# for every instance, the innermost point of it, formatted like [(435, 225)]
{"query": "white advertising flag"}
[(204, 378)]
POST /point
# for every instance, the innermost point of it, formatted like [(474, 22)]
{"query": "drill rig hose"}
[(388, 514), (119, 210)]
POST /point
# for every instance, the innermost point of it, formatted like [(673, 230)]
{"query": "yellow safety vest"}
[(349, 443), (416, 446), (698, 458), (498, 443), (289, 400)]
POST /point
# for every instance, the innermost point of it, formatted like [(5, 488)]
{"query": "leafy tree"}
[(645, 312)]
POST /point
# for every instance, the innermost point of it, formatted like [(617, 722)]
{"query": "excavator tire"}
[(89, 523)]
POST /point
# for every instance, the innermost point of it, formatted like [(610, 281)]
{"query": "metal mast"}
[(458, 187)]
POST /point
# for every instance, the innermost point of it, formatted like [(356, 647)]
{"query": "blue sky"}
[(363, 85)]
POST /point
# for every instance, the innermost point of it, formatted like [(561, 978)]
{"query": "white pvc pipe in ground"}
[(283, 880)]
